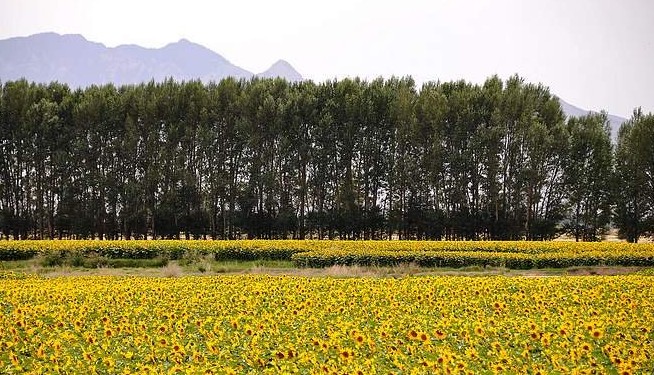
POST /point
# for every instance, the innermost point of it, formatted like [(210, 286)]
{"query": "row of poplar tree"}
[(348, 159)]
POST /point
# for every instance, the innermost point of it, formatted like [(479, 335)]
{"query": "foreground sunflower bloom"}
[(282, 324)]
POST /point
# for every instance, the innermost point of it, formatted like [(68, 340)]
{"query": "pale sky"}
[(595, 54)]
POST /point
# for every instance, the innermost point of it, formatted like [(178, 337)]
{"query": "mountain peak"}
[(281, 63), (55, 36), (184, 43), (47, 34), (281, 68)]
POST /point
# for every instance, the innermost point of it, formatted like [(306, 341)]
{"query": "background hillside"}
[(78, 62)]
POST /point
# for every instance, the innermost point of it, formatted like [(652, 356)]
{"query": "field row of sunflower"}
[(266, 324), (512, 254), (472, 258)]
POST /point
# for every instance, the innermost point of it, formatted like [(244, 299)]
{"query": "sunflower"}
[(498, 369), (40, 353), (346, 354), (545, 340), (109, 362), (14, 358), (471, 353)]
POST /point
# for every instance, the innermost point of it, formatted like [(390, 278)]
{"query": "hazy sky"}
[(596, 54)]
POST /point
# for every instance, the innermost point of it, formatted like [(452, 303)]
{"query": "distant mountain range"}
[(572, 111), (78, 62)]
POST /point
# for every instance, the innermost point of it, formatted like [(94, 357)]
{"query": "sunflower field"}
[(319, 325), (324, 253)]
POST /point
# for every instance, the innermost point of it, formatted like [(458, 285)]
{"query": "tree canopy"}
[(349, 159)]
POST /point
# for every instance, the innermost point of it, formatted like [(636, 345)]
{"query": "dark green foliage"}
[(588, 173), (634, 178), (345, 159), (55, 259), (17, 254), (245, 254)]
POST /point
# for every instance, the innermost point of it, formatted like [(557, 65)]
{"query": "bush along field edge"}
[(325, 253)]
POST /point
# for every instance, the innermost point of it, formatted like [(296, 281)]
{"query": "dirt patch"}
[(601, 271), (207, 268)]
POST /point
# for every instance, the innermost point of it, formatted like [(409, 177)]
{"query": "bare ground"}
[(213, 268)]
